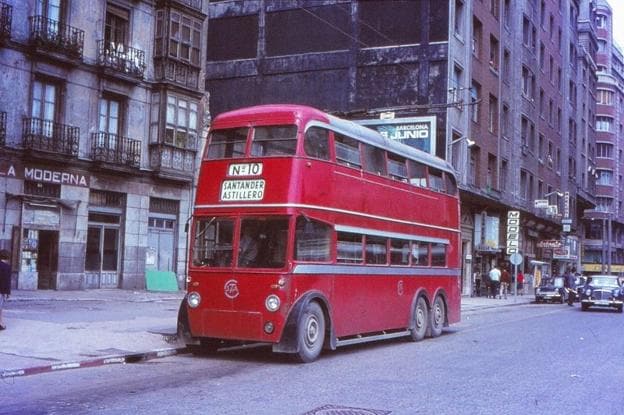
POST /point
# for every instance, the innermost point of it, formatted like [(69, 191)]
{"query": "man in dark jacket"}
[(5, 282)]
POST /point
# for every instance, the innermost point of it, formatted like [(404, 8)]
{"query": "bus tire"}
[(310, 333), (420, 320), (437, 317)]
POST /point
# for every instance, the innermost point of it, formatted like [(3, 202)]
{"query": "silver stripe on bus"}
[(324, 208), (374, 232), (374, 270)]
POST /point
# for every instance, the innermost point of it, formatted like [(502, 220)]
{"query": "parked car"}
[(604, 291), (551, 290)]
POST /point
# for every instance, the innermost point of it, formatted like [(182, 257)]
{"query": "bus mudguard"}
[(288, 342)]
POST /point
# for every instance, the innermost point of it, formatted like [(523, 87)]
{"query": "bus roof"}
[(309, 114)]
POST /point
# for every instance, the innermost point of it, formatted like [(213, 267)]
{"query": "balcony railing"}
[(54, 36), (172, 70), (6, 13), (121, 58), (114, 149), (3, 118), (179, 161), (193, 4), (46, 135)]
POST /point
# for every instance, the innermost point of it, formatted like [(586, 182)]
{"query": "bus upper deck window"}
[(417, 173), (347, 151), (316, 143), (279, 140), (436, 181), (374, 159), (397, 167), (228, 143)]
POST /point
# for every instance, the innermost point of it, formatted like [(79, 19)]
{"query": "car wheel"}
[(419, 320), (437, 317), (620, 308), (584, 307), (310, 333)]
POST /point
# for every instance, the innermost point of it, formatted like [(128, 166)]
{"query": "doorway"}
[(47, 259)]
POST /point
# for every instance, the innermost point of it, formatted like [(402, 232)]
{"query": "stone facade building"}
[(102, 116)]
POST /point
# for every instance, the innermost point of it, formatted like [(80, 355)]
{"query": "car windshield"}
[(604, 282)]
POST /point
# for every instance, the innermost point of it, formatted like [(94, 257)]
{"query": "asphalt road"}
[(529, 359)]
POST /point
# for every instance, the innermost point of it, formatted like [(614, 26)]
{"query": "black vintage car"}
[(604, 291), (551, 290)]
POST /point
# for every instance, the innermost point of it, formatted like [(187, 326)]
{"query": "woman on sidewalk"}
[(5, 282)]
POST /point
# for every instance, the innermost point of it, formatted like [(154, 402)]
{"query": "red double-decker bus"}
[(314, 232)]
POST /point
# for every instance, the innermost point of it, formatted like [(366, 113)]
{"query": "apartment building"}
[(604, 248), (102, 113), (510, 86)]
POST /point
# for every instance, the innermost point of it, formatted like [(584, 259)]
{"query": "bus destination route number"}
[(245, 169), (237, 190)]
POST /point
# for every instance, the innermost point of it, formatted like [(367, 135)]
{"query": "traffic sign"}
[(515, 259)]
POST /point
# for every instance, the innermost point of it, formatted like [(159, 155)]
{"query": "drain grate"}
[(345, 410)]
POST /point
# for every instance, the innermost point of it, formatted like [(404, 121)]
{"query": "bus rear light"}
[(272, 303), (269, 327), (193, 299)]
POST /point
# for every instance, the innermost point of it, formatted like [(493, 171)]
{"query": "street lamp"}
[(460, 155)]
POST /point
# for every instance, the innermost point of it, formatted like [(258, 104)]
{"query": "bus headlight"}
[(272, 303), (193, 299)]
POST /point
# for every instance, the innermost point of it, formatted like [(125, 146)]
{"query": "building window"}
[(233, 38), (459, 18), (493, 115), (601, 21), (505, 121), (116, 26), (110, 116), (42, 189), (477, 36), (604, 124), (185, 38), (181, 129), (44, 100), (475, 93), (506, 65), (604, 150), (605, 97), (494, 53), (50, 9), (524, 185)]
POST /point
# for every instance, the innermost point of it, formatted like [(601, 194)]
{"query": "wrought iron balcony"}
[(114, 149), (172, 161), (121, 58), (52, 36), (3, 121), (6, 13), (50, 136)]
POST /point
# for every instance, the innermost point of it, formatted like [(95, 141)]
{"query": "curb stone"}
[(102, 361)]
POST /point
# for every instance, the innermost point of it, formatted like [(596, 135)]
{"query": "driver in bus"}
[(248, 248)]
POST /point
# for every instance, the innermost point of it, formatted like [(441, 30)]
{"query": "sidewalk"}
[(57, 330)]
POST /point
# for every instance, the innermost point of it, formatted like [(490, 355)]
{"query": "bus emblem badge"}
[(231, 289)]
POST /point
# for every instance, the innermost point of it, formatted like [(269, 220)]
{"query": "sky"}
[(618, 21)]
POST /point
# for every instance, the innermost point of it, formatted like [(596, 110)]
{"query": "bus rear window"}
[(274, 141), (228, 143)]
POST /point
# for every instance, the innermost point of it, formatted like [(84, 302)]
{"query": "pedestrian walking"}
[(520, 283), (570, 285), (495, 277), (5, 282), (505, 283)]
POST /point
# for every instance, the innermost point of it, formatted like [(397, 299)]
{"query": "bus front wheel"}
[(310, 333), (438, 316), (420, 319)]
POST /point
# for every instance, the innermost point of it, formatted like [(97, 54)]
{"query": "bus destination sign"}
[(238, 190)]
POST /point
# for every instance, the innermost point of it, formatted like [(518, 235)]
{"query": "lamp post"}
[(461, 144), (606, 250)]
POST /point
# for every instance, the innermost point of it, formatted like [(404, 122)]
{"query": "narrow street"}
[(529, 359)]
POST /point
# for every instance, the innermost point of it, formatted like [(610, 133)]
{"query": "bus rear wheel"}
[(419, 320), (438, 316), (310, 333)]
